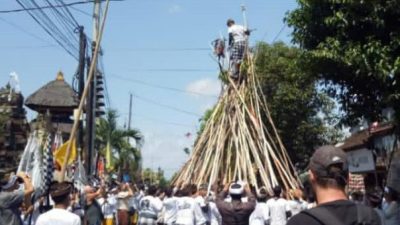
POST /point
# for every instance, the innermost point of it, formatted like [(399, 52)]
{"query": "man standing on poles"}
[(237, 46)]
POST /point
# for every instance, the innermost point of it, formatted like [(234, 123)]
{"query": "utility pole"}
[(81, 81), (90, 103), (130, 112)]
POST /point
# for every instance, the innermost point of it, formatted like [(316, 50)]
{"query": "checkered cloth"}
[(237, 51), (146, 221), (48, 165), (356, 183)]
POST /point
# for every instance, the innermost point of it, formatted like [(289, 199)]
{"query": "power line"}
[(67, 22), (81, 11), (166, 106), (161, 121), (279, 33), (23, 30), (162, 49), (51, 28), (276, 36), (173, 70), (65, 8), (47, 7), (160, 86), (27, 47)]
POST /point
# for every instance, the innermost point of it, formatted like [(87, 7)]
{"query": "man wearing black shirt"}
[(328, 172)]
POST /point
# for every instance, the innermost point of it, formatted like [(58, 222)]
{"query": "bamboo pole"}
[(236, 144), (85, 92)]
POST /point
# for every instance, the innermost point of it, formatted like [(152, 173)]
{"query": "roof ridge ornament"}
[(60, 76)]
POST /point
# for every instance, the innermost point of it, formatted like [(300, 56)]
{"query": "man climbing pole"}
[(237, 46)]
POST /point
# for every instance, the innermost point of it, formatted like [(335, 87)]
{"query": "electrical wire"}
[(57, 6), (44, 20), (144, 99), (65, 8), (279, 33), (161, 49), (161, 86), (160, 121), (27, 47), (67, 25), (81, 11), (51, 28), (23, 30), (173, 70)]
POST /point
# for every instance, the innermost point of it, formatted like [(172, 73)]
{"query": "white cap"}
[(236, 188)]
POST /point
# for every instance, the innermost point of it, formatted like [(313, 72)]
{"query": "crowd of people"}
[(115, 203)]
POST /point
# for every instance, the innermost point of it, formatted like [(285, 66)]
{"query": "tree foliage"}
[(125, 156), (303, 115), (354, 46), (152, 177)]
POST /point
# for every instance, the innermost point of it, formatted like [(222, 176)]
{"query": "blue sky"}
[(143, 44)]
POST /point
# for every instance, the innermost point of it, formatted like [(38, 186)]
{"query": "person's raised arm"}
[(130, 191), (251, 204), (249, 193), (28, 188), (91, 196), (222, 195)]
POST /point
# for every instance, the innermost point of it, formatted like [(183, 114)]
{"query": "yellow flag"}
[(108, 157), (59, 154)]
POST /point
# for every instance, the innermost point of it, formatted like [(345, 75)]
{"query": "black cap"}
[(326, 156), (230, 21)]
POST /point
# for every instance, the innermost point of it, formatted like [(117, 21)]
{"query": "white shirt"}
[(202, 203), (58, 217), (237, 32), (260, 215), (107, 208), (150, 205), (214, 216), (189, 212), (170, 210), (112, 199), (136, 199), (391, 213), (277, 211), (123, 200), (381, 216), (35, 213), (296, 206)]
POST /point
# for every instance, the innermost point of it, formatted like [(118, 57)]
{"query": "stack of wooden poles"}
[(240, 141)]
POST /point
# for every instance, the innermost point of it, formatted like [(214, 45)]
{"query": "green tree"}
[(354, 47), (151, 177), (125, 156), (303, 115)]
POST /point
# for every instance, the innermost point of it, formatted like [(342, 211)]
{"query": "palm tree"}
[(126, 155)]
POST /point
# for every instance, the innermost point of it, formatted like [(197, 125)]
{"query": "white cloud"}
[(165, 151), (175, 9), (205, 87)]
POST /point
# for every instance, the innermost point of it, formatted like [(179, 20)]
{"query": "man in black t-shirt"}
[(328, 173)]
